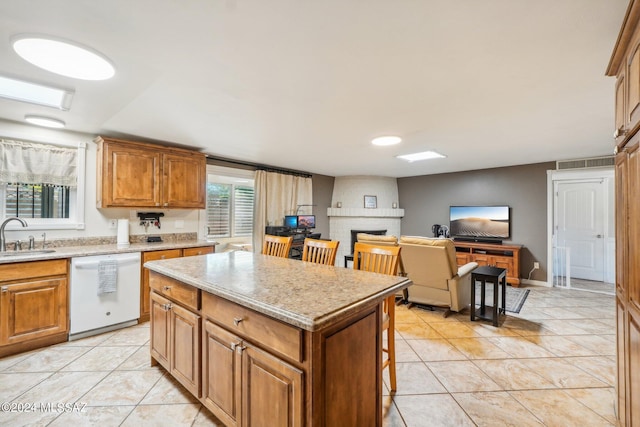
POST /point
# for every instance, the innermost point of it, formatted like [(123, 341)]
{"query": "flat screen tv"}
[(306, 221), (480, 223), (291, 221)]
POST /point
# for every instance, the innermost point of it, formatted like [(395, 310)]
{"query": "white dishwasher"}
[(92, 309)]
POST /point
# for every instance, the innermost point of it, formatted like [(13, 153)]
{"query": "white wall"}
[(96, 220)]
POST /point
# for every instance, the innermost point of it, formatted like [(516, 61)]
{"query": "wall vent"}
[(594, 162)]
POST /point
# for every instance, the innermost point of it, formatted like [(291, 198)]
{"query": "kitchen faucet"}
[(3, 243)]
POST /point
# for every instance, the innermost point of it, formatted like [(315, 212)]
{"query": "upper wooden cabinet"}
[(625, 66), (141, 175)]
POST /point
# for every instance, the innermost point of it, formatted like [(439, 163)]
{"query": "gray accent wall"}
[(322, 192), (426, 200)]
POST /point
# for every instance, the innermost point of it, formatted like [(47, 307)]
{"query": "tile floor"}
[(553, 364)]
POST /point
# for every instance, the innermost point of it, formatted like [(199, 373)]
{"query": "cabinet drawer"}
[(263, 330), (33, 269), (197, 251), (179, 292), (156, 255)]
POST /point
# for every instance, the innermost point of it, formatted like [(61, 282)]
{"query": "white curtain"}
[(277, 195), (33, 163)]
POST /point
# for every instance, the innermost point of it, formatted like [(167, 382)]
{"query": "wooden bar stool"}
[(320, 251), (277, 245), (384, 260)]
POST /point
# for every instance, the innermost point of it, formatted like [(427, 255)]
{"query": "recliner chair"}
[(437, 279)]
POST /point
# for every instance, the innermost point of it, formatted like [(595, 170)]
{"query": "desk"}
[(494, 275)]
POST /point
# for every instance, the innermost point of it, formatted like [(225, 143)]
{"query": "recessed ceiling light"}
[(421, 156), (49, 122), (62, 57), (35, 93), (386, 140)]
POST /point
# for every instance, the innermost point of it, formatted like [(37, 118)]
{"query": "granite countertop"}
[(89, 250), (303, 294)]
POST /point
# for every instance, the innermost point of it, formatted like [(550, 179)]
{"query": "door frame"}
[(576, 175)]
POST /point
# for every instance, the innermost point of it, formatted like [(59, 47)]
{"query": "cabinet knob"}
[(237, 321), (166, 288), (166, 307), (5, 289)]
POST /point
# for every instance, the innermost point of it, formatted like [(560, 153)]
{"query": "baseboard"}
[(535, 283)]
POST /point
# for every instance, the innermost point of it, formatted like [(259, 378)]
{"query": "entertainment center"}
[(493, 254)]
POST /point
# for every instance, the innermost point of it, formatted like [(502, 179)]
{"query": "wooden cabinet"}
[(157, 255), (33, 305), (625, 66), (501, 256), (243, 384), (134, 174), (175, 332)]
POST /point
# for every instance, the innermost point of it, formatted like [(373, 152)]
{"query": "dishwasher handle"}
[(94, 264)]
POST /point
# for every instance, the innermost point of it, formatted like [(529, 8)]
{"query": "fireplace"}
[(354, 236)]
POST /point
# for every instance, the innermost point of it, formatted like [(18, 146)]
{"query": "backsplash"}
[(110, 240)]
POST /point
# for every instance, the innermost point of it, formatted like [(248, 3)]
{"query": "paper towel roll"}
[(123, 233)]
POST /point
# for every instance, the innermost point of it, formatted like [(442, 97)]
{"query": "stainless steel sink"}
[(33, 252)]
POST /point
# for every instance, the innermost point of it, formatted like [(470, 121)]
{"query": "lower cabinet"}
[(33, 305), (244, 385), (250, 369), (175, 341)]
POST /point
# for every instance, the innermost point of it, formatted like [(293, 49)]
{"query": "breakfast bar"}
[(260, 339)]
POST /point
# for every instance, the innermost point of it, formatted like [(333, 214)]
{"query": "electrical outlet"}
[(113, 223), (536, 265)]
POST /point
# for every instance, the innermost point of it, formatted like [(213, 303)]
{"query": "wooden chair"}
[(277, 245), (384, 260), (320, 251)]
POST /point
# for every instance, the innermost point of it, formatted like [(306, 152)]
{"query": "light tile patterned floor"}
[(553, 364)]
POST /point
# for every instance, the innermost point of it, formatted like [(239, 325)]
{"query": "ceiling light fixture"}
[(63, 57), (35, 93), (49, 122), (386, 140), (424, 155)]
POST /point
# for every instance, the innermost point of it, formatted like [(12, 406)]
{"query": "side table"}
[(494, 275)]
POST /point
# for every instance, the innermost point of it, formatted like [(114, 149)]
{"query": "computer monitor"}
[(306, 221), (291, 221)]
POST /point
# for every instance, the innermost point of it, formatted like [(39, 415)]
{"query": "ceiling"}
[(306, 85)]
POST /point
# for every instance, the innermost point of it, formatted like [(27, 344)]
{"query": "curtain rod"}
[(259, 166)]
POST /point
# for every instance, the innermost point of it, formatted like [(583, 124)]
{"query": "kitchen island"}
[(262, 340)]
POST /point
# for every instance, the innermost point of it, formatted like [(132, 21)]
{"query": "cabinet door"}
[(185, 348), (144, 284), (272, 391), (198, 251), (33, 309), (503, 262), (160, 330), (184, 181), (131, 177), (462, 258), (482, 259), (221, 373)]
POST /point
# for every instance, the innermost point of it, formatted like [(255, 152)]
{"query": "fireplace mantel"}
[(365, 212)]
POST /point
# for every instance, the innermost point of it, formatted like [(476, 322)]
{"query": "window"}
[(230, 199), (37, 200), (23, 194)]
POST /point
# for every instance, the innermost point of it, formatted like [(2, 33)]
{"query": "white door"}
[(580, 226)]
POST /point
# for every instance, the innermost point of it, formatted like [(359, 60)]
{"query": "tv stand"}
[(499, 255)]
